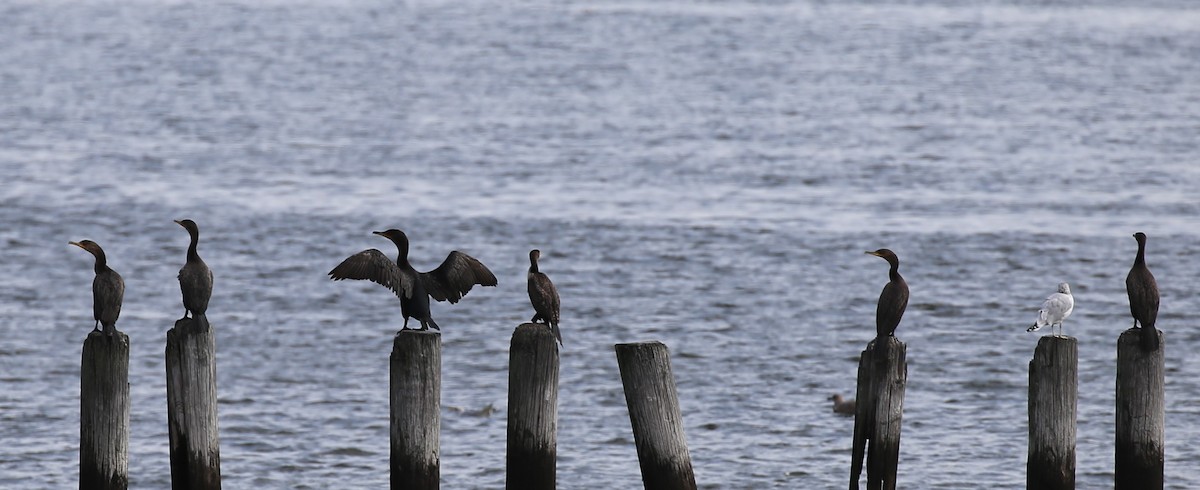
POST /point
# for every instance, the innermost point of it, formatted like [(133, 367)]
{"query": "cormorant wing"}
[(1143, 291), (457, 275), (544, 296), (892, 303), (108, 291), (376, 267)]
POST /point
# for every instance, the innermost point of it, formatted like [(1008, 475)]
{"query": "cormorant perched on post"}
[(449, 282), (108, 289), (892, 302), (1055, 309), (195, 278), (1143, 296), (543, 296)]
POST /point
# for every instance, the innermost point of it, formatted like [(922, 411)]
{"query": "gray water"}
[(704, 174)]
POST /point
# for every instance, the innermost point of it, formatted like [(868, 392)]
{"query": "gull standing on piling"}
[(449, 282), (1055, 309), (1143, 296), (195, 278), (892, 301), (543, 295), (108, 289)]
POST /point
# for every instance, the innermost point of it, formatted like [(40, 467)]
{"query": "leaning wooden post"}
[(655, 416), (192, 405), (1140, 414), (416, 421), (104, 413), (881, 384), (532, 408), (1053, 397)]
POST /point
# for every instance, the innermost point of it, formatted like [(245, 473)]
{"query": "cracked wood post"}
[(532, 408), (879, 407), (416, 390), (104, 413), (192, 406), (654, 413), (1053, 398), (1140, 414)]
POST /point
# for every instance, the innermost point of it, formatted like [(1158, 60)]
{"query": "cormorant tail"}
[(1149, 339)]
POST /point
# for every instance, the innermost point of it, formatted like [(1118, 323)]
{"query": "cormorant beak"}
[(872, 253), (77, 244), (380, 233), (180, 223)]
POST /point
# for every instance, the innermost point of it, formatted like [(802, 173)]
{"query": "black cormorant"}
[(195, 278), (543, 296), (108, 289), (1143, 296), (449, 282), (892, 301)]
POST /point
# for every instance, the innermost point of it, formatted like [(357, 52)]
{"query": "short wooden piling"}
[(654, 413), (1053, 398), (532, 408), (1140, 414), (104, 413), (192, 406), (416, 392), (877, 417)]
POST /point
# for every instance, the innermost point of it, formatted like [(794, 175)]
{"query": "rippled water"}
[(704, 174)]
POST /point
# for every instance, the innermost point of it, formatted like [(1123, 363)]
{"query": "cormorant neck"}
[(1141, 255), (101, 261), (191, 253), (533, 265), (402, 245), (894, 271)]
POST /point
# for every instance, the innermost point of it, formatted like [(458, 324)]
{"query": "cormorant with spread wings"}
[(448, 282)]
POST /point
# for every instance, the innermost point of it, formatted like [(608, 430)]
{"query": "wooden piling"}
[(1140, 414), (192, 406), (654, 413), (104, 413), (1053, 398), (532, 408), (416, 388), (877, 417)]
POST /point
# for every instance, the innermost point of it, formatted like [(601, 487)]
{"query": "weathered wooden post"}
[(104, 413), (877, 417), (532, 408), (1053, 397), (654, 413), (1140, 413), (416, 422), (192, 405)]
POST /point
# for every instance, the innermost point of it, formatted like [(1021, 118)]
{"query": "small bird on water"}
[(108, 289), (195, 278), (1143, 296), (1055, 309), (892, 301), (449, 282), (543, 296), (841, 405)]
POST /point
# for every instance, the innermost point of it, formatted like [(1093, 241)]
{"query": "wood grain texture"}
[(532, 409)]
